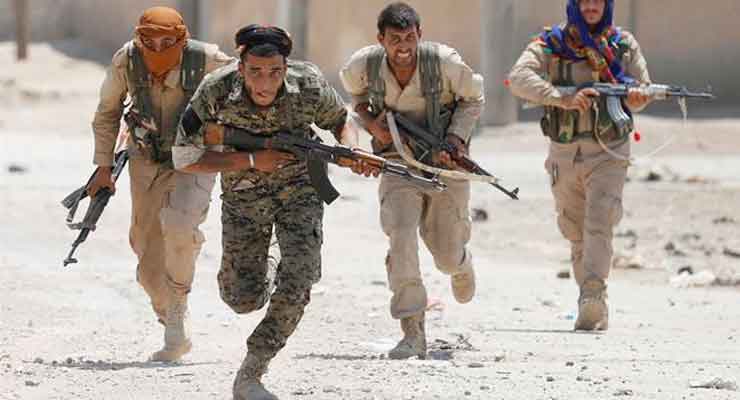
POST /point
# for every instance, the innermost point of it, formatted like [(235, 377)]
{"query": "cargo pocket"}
[(466, 223), (386, 215), (615, 211), (191, 192), (141, 176)]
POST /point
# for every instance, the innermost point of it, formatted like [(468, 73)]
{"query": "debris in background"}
[(696, 179), (17, 169), (629, 233), (435, 304), (674, 251), (731, 253), (724, 220), (564, 274), (686, 269), (716, 383), (480, 215), (704, 279), (628, 262)]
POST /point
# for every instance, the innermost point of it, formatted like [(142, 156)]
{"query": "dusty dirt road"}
[(85, 332)]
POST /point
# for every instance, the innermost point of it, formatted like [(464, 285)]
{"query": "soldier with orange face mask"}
[(158, 71)]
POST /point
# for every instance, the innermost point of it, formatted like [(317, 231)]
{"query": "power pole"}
[(22, 32), (498, 52), (634, 16), (293, 16), (204, 15), (190, 10)]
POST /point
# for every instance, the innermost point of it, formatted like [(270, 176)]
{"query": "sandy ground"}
[(85, 332)]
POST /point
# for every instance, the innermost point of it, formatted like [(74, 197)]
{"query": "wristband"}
[(251, 160)]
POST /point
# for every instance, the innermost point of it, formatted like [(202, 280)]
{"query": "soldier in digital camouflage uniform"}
[(264, 93), (587, 181), (159, 70), (406, 71)]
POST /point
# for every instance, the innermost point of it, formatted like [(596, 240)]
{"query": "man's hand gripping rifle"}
[(431, 143), (615, 93), (94, 209), (316, 154)]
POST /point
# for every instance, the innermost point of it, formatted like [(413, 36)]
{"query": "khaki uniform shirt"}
[(460, 84), (533, 73), (305, 98), (167, 99)]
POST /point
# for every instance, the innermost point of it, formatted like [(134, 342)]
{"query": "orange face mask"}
[(157, 22)]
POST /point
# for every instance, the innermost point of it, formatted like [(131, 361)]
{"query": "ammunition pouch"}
[(148, 143), (612, 121), (559, 125)]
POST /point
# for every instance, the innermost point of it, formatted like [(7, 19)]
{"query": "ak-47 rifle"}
[(316, 154), (431, 143), (614, 94), (94, 209)]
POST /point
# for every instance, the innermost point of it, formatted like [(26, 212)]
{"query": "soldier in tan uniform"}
[(396, 83), (159, 70), (587, 181)]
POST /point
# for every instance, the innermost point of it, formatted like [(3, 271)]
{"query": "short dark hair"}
[(398, 15), (261, 50)]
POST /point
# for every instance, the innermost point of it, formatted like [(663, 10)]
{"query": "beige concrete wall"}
[(533, 15), (47, 19), (225, 17), (104, 24), (341, 27), (684, 41), (108, 24), (692, 43)]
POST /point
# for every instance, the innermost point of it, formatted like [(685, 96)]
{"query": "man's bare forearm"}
[(368, 119), (348, 136), (213, 161)]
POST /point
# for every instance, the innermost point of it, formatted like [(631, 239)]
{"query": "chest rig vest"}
[(562, 126), (151, 142), (438, 116)]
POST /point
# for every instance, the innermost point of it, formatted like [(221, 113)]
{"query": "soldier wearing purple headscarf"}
[(587, 179)]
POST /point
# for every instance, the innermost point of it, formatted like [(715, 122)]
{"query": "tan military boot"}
[(593, 312), (414, 342), (176, 332), (463, 285), (247, 385)]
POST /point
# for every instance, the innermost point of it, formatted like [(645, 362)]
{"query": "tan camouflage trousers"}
[(587, 184), (443, 222), (167, 209), (248, 217)]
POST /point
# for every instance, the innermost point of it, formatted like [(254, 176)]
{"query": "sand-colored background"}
[(85, 332), (685, 42)]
